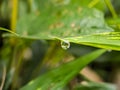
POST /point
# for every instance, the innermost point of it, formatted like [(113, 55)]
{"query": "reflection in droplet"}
[(109, 50), (73, 25), (65, 44)]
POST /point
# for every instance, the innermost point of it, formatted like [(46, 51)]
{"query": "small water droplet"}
[(109, 50), (65, 44)]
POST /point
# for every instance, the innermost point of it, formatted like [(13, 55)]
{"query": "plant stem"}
[(52, 56), (111, 8), (13, 27), (17, 66), (14, 66), (3, 77), (93, 3), (14, 14), (47, 55), (13, 42)]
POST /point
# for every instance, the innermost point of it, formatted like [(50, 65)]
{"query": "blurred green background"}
[(36, 52)]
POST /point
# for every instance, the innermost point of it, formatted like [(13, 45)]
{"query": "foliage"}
[(40, 28), (66, 71), (96, 86)]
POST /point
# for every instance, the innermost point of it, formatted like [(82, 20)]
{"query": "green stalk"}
[(18, 63), (14, 45), (46, 57), (111, 8), (14, 66), (3, 77), (11, 67), (52, 56), (93, 3), (14, 14)]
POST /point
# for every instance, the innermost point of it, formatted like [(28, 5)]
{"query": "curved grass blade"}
[(57, 78)]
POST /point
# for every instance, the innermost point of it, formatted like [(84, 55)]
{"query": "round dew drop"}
[(65, 44), (109, 50)]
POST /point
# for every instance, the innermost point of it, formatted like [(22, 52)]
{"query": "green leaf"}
[(96, 86), (62, 21), (69, 21), (114, 21), (59, 77), (110, 41)]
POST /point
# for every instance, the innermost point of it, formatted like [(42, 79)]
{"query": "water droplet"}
[(109, 50), (65, 44)]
